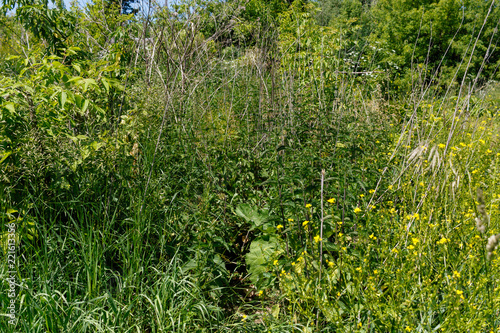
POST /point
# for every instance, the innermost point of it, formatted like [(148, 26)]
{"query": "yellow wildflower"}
[(331, 200), (442, 241)]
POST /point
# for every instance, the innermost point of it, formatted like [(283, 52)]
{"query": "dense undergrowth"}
[(245, 175)]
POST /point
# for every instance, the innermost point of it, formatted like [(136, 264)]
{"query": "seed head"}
[(483, 219), (492, 244)]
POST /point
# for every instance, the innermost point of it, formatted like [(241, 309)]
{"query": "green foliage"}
[(55, 26), (435, 36), (221, 166)]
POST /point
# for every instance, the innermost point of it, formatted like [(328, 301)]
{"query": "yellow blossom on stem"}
[(317, 239), (442, 241), (331, 200)]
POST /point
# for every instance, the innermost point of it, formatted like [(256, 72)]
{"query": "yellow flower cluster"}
[(443, 241)]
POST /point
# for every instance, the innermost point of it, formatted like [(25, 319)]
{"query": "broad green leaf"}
[(79, 101), (10, 106), (85, 105), (76, 79), (64, 97), (88, 82), (258, 259), (253, 215), (106, 84)]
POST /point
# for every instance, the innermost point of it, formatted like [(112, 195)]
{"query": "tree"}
[(436, 35), (125, 5), (54, 26)]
